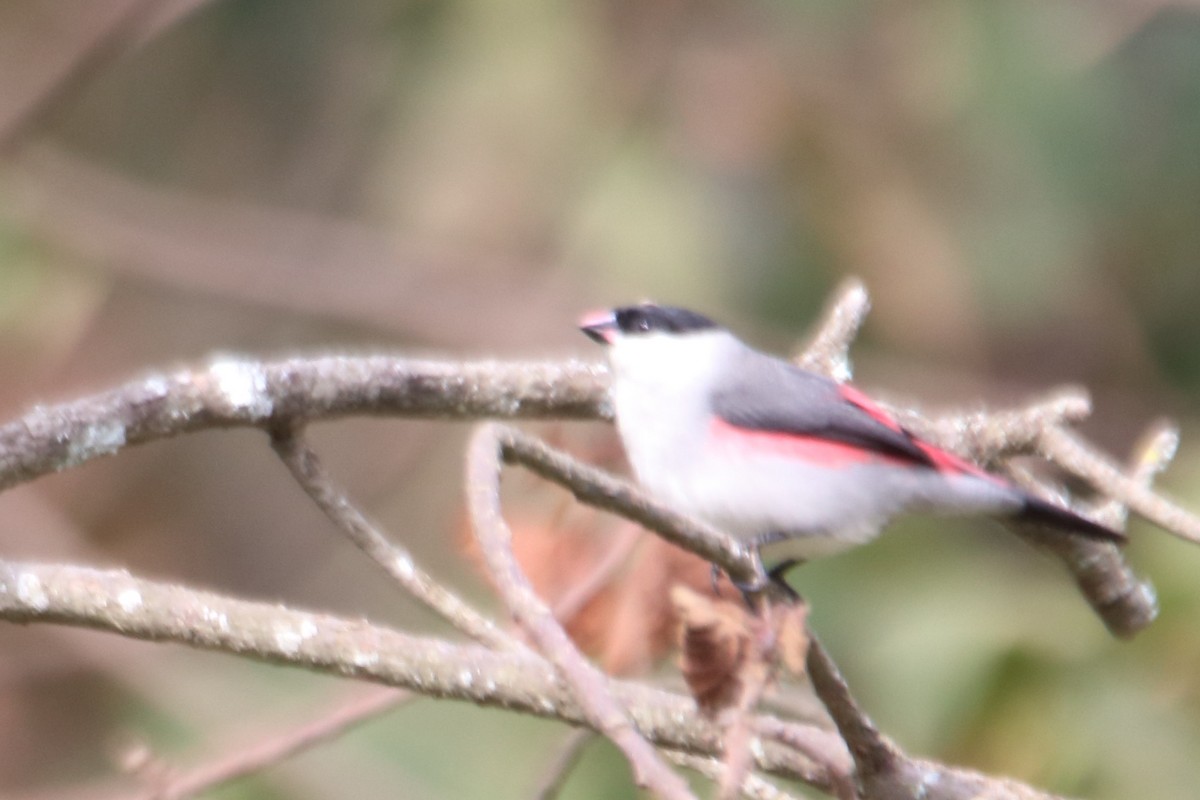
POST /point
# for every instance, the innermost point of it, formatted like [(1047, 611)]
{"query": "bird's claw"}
[(762, 581)]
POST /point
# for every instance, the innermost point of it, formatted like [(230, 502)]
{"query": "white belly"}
[(814, 510)]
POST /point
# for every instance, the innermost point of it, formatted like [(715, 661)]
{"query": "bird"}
[(791, 462)]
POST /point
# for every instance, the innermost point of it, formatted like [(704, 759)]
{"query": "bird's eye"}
[(642, 325)]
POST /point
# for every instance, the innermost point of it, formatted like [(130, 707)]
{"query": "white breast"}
[(660, 393)]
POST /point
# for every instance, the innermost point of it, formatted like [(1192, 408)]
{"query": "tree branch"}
[(828, 348), (751, 786), (241, 760), (1125, 603), (587, 683), (308, 471), (232, 392), (114, 601), (597, 488), (883, 771), (282, 396), (229, 392), (568, 755)]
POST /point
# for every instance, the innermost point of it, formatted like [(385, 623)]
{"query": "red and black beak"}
[(600, 326)]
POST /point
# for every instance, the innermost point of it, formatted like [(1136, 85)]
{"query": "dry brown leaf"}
[(729, 654), (716, 637)]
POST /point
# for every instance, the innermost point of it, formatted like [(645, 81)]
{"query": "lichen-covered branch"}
[(232, 392), (828, 348), (113, 600), (1125, 603)]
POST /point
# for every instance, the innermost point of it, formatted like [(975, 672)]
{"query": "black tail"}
[(1041, 511)]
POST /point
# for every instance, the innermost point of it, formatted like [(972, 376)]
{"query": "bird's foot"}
[(773, 578)]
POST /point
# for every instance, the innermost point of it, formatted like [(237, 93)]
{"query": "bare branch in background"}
[(86, 44), (441, 293), (243, 760), (113, 600)]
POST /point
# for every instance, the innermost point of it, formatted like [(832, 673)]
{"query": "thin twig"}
[(306, 468), (599, 576), (271, 750), (738, 759), (1125, 603), (564, 761), (1150, 455), (1066, 449), (755, 675), (870, 749), (588, 684), (750, 786), (827, 350), (882, 770), (601, 490), (823, 748), (988, 437)]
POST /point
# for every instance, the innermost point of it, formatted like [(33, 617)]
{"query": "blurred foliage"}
[(1017, 182)]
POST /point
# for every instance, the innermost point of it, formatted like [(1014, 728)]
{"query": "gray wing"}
[(772, 395), (769, 394)]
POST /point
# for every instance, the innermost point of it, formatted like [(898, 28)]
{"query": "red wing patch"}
[(941, 460), (813, 449), (857, 398), (944, 461)]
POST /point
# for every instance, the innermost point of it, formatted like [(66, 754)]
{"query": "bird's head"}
[(644, 320)]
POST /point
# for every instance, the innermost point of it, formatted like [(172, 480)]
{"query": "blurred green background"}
[(1018, 183)]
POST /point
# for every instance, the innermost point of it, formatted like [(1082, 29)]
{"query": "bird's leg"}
[(775, 576)]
